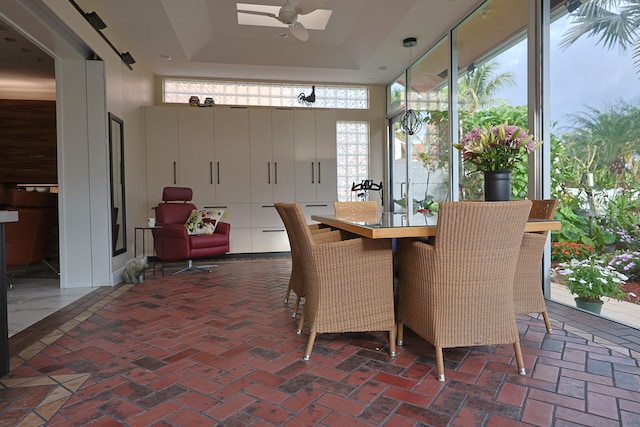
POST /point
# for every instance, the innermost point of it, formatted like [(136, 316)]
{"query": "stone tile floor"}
[(220, 348)]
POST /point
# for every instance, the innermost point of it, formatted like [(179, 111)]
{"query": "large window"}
[(265, 94), (492, 81), (353, 157), (595, 171)]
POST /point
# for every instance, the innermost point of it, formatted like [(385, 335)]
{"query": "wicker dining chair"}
[(458, 292), (527, 288), (296, 280), (348, 284), (357, 211)]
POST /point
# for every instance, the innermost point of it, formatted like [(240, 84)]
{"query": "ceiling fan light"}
[(288, 17)]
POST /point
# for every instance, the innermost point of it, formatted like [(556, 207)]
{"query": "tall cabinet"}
[(272, 176), (161, 142), (315, 161), (243, 160)]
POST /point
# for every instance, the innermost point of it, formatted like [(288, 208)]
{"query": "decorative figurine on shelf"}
[(209, 102), (194, 101), (308, 100)]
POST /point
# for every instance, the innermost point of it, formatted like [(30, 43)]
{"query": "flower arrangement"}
[(566, 251), (627, 263), (592, 279), (496, 148)]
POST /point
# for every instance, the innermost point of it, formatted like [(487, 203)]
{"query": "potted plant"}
[(590, 280), (495, 150)]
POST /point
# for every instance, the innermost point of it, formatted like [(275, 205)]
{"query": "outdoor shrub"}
[(627, 263), (566, 251)]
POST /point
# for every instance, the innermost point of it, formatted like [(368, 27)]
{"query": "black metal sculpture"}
[(308, 100)]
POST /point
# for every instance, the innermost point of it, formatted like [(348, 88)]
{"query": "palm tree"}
[(608, 138), (477, 87), (614, 21)]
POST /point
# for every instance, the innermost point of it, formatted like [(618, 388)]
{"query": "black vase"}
[(497, 186)]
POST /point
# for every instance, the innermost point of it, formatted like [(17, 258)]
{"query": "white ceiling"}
[(362, 42)]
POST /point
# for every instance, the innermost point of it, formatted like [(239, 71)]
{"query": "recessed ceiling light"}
[(281, 35), (164, 57)]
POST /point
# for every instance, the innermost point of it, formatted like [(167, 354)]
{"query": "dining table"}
[(389, 225)]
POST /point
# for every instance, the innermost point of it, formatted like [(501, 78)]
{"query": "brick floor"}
[(220, 348)]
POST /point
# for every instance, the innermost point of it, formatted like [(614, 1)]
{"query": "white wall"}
[(82, 104)]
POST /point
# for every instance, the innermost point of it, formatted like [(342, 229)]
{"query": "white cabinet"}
[(196, 152), (272, 155), (316, 208), (326, 156), (315, 156), (268, 231), (238, 215), (161, 145), (231, 169), (244, 160)]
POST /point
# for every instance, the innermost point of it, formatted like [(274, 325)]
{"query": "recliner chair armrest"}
[(223, 228), (173, 231)]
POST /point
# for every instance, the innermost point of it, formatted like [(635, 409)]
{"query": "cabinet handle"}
[(275, 170), (210, 172), (320, 205), (272, 231), (216, 207), (268, 172), (218, 172), (268, 206), (174, 173), (319, 174), (312, 174)]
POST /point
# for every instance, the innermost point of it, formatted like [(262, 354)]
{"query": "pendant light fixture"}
[(411, 120)]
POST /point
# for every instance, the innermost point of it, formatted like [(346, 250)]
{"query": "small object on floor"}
[(134, 271)]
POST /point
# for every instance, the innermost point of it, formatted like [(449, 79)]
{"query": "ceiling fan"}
[(288, 15)]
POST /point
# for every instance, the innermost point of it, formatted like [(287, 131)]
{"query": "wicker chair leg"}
[(392, 342), (519, 359), (547, 321), (286, 296), (440, 363), (301, 323), (400, 336), (295, 308), (312, 338)]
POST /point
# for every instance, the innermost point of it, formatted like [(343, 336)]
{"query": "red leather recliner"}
[(173, 242)]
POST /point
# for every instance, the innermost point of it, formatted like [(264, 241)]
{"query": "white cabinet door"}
[(283, 178), (269, 240), (305, 155), (161, 147), (231, 169), (196, 154), (262, 167), (268, 233), (326, 156), (272, 156), (315, 154)]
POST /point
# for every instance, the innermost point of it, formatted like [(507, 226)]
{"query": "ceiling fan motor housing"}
[(288, 14)]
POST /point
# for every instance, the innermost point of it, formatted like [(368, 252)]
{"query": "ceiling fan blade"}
[(299, 31), (308, 6), (255, 12)]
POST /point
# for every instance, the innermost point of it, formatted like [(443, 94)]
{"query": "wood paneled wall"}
[(28, 142)]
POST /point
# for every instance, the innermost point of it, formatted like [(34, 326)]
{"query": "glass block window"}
[(265, 94), (353, 157)]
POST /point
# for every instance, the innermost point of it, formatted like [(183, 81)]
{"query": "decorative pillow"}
[(203, 221)]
